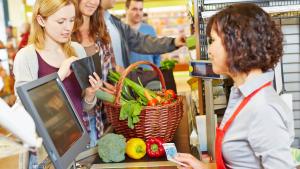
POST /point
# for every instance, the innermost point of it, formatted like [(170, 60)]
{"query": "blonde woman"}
[(51, 50)]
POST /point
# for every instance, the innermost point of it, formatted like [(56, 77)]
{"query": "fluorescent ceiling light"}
[(30, 2)]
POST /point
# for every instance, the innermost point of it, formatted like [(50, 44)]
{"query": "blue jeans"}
[(33, 163), (93, 131)]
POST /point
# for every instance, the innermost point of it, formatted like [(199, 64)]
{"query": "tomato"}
[(170, 94), (165, 102), (152, 102)]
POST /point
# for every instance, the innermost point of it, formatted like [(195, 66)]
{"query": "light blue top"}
[(154, 58), (262, 133), (115, 38)]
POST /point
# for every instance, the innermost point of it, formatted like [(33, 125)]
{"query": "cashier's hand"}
[(190, 160), (180, 40), (96, 83), (65, 68)]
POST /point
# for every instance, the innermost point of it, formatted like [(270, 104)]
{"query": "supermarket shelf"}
[(273, 9)]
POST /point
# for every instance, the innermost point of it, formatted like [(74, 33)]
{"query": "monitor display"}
[(61, 125), (203, 69), (56, 120)]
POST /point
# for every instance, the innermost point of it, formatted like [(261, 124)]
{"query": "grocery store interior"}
[(204, 97)]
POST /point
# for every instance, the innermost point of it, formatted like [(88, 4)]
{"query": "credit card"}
[(171, 153)]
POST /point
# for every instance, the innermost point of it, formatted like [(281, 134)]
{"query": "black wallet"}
[(85, 67)]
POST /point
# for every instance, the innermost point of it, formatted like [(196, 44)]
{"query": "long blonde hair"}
[(46, 8)]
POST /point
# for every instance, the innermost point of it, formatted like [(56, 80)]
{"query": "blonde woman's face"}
[(59, 25), (218, 54), (88, 7)]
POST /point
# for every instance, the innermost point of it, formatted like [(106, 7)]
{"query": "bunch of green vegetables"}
[(168, 64), (131, 103)]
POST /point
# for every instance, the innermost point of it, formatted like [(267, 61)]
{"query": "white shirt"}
[(262, 133)]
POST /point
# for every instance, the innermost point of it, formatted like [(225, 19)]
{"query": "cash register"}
[(56, 120)]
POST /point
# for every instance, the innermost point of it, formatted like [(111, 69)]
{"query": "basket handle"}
[(129, 69)]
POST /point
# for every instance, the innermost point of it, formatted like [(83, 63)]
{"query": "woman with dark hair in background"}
[(94, 37), (257, 129)]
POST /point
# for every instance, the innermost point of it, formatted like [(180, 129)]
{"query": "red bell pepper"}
[(154, 147), (170, 94)]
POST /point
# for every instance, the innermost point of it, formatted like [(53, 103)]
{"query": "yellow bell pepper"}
[(136, 148)]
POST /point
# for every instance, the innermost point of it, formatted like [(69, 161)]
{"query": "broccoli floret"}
[(111, 147)]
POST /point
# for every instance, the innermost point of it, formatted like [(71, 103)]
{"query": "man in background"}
[(125, 39), (134, 18)]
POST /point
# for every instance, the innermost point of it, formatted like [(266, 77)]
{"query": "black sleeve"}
[(146, 44)]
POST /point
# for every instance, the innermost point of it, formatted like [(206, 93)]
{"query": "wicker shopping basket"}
[(155, 121)]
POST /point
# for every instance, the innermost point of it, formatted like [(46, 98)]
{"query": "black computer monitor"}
[(55, 117), (203, 69)]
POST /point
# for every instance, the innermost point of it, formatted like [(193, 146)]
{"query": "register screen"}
[(203, 69), (57, 115)]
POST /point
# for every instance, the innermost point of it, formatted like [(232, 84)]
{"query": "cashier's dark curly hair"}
[(250, 37)]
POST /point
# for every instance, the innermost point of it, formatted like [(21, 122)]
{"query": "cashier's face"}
[(135, 11), (217, 54), (88, 7)]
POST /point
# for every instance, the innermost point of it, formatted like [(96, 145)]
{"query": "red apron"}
[(221, 132)]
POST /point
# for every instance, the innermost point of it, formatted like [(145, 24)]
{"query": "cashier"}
[(257, 128)]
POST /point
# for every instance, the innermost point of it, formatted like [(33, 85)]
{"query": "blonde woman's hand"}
[(96, 83), (65, 68), (190, 160)]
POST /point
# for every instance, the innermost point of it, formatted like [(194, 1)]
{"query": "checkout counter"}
[(181, 140), (94, 162), (90, 158)]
